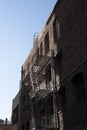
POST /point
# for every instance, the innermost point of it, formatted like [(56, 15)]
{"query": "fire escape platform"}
[(41, 93), (43, 90), (41, 60), (40, 63), (27, 78)]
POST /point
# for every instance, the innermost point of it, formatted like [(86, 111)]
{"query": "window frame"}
[(56, 30), (46, 43), (78, 81)]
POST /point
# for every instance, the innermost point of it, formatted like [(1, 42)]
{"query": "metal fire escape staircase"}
[(37, 75), (40, 89)]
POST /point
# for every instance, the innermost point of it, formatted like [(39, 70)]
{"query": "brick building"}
[(53, 77), (5, 125)]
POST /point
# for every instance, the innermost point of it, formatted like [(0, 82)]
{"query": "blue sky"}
[(19, 20)]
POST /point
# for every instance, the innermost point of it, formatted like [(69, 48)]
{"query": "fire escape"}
[(41, 89)]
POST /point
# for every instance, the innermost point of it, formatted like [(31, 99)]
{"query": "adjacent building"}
[(15, 112), (53, 93), (5, 125)]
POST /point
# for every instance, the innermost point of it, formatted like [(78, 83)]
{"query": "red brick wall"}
[(5, 127), (72, 15)]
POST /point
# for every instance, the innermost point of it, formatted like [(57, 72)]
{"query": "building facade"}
[(15, 112), (53, 77)]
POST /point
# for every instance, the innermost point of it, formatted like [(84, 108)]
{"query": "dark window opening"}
[(56, 30), (48, 73), (46, 41), (23, 99), (58, 62), (62, 93), (78, 81), (51, 105), (23, 127), (42, 109), (27, 127)]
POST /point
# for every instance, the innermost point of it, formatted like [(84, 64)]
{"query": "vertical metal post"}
[(54, 89)]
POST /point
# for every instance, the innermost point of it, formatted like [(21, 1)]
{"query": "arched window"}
[(56, 30), (78, 81), (58, 62), (46, 42)]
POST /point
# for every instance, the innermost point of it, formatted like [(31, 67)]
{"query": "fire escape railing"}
[(39, 64)]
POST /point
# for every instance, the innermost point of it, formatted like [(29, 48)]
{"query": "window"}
[(15, 116), (44, 121), (78, 81), (62, 93), (56, 30), (23, 99), (27, 127), (50, 101), (46, 41), (48, 73), (23, 127), (58, 62)]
